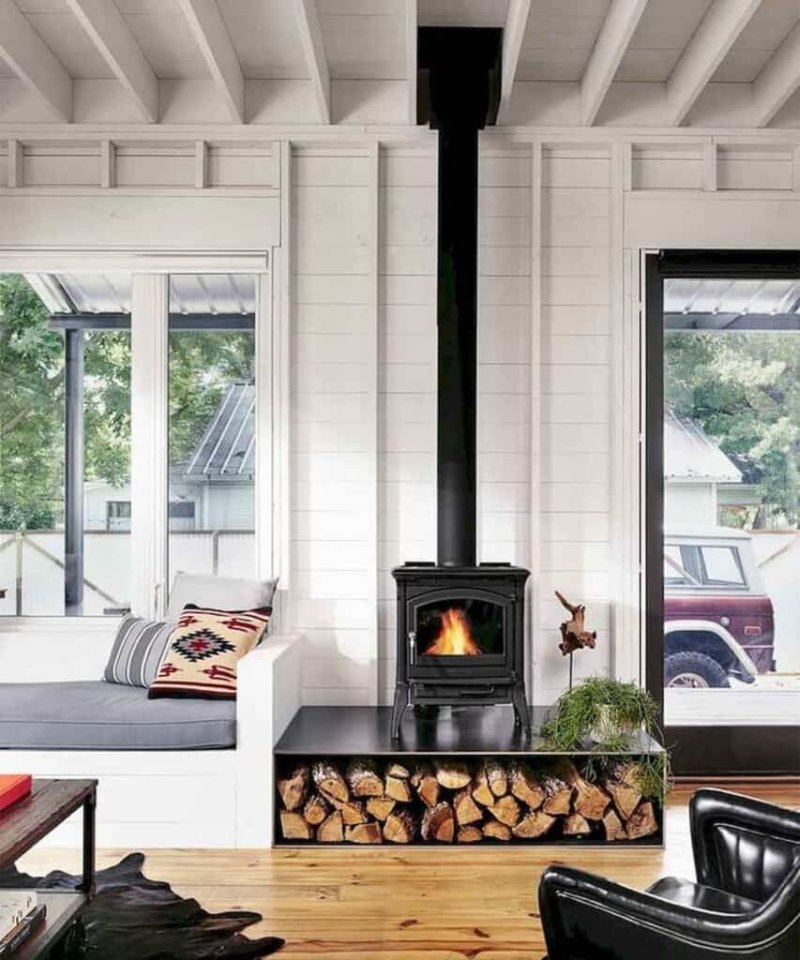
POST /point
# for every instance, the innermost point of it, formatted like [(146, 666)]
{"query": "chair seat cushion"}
[(95, 715), (689, 894)]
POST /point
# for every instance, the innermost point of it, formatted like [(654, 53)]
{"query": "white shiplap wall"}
[(333, 404), (407, 379), (575, 405)]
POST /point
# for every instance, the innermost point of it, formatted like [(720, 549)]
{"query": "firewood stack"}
[(449, 801)]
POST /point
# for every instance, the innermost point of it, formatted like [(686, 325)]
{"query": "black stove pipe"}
[(459, 93)]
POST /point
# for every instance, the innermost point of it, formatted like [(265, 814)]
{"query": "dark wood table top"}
[(25, 823)]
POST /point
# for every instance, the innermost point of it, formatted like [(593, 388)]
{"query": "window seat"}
[(95, 715), (156, 786)]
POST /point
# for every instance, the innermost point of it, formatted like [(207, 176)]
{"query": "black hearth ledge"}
[(472, 731)]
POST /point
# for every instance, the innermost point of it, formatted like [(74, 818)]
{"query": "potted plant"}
[(603, 715)]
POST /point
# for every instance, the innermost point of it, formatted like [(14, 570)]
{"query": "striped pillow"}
[(137, 652)]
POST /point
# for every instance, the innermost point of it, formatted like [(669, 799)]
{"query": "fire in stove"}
[(454, 638)]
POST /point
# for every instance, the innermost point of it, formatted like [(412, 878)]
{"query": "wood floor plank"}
[(381, 903)]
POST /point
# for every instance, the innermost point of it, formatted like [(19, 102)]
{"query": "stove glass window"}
[(460, 628)]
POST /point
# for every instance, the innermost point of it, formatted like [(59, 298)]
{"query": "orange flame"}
[(454, 639)]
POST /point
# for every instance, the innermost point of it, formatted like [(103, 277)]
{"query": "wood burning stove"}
[(460, 637), (460, 626)]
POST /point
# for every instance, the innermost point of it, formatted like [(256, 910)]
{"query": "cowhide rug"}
[(133, 918)]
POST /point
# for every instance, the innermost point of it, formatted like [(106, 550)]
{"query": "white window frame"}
[(149, 413)]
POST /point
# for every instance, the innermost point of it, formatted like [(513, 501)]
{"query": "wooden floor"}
[(446, 903)]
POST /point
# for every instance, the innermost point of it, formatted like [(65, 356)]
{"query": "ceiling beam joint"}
[(33, 62), (513, 38), (621, 20), (209, 31), (708, 47), (112, 37), (314, 51)]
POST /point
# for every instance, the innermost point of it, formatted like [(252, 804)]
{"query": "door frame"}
[(720, 751)]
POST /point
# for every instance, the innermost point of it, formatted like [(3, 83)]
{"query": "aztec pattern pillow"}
[(204, 649), (138, 650)]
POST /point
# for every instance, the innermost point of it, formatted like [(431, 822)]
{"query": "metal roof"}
[(227, 448), (690, 455), (189, 294), (729, 299)]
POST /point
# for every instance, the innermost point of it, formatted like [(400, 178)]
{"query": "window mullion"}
[(149, 453)]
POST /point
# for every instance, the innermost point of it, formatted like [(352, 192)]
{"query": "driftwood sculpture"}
[(574, 634)]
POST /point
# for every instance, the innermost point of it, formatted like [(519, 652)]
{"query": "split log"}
[(331, 830), (399, 827), (507, 810), (525, 785), (315, 810), (399, 771), (380, 807), (364, 833), (330, 782), (466, 810), (470, 834), (494, 830), (294, 827), (424, 781), (589, 799), (497, 778), (363, 779), (294, 788), (398, 789), (557, 795), (624, 785), (480, 792), (642, 822), (352, 811), (438, 823), (533, 825), (453, 775), (615, 829), (576, 826)]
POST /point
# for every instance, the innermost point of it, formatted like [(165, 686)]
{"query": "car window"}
[(674, 573), (721, 567)]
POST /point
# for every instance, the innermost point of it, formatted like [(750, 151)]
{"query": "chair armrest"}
[(586, 917), (728, 829), (268, 696)]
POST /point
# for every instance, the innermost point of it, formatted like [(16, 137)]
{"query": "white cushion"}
[(222, 593)]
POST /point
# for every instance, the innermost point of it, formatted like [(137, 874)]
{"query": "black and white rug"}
[(133, 918)]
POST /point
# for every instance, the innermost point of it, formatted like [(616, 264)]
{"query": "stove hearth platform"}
[(464, 775)]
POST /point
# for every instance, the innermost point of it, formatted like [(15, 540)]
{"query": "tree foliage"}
[(743, 388), (201, 366)]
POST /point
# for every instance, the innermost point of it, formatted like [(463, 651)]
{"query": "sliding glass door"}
[(723, 508)]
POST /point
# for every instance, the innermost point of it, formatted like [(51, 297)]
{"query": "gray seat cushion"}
[(95, 715)]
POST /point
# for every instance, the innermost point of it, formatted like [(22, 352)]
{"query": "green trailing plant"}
[(617, 710)]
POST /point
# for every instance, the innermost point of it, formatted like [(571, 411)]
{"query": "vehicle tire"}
[(688, 668)]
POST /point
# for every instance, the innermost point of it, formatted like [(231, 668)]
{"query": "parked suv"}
[(718, 619)]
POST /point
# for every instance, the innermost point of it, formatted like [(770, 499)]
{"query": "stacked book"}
[(13, 788), (21, 915)]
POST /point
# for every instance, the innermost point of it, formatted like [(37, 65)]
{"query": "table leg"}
[(88, 884)]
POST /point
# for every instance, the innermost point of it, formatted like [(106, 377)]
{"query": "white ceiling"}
[(369, 39)]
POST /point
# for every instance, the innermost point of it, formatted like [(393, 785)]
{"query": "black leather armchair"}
[(745, 903)]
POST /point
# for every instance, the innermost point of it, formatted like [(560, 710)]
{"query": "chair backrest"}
[(745, 846)]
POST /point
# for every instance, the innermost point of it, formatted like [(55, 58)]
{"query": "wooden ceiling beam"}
[(513, 38), (618, 27), (110, 34), (708, 47), (314, 52), (211, 35), (33, 62), (779, 79)]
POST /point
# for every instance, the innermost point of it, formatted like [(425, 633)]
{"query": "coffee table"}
[(29, 821)]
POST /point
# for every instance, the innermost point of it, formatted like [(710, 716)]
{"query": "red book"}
[(13, 787)]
